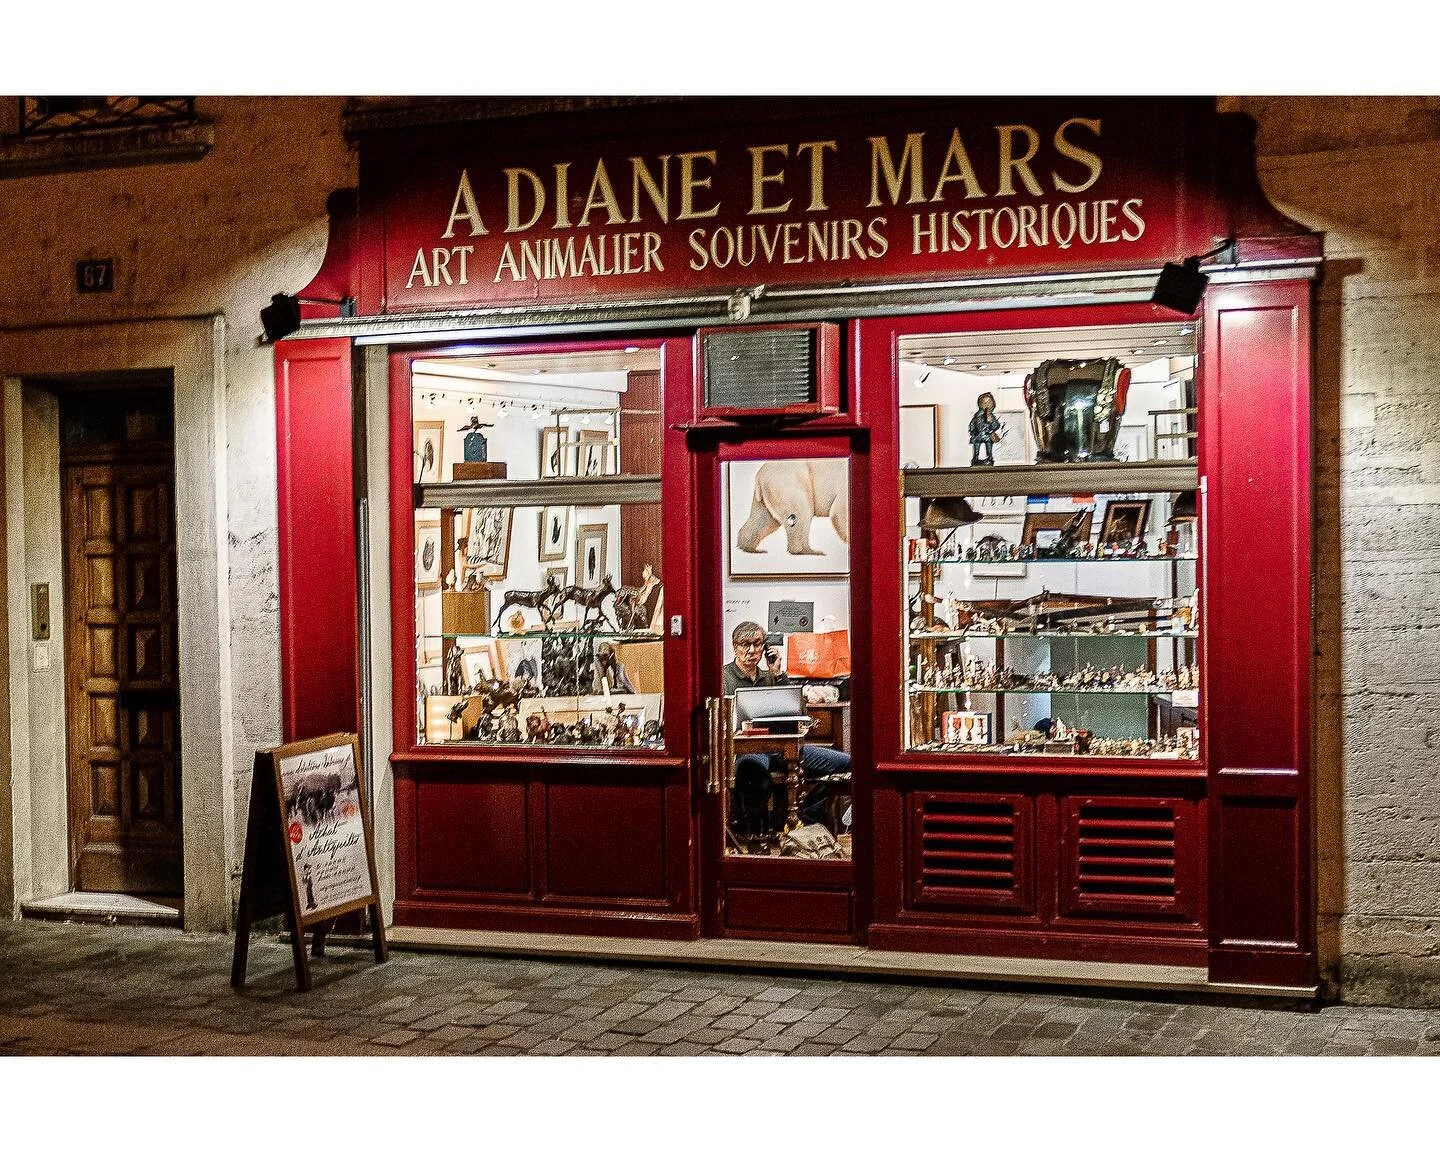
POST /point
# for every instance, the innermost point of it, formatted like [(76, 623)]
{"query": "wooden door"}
[(122, 680)]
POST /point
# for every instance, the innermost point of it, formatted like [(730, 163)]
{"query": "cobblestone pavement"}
[(86, 989)]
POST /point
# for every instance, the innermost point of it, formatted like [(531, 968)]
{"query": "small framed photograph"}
[(555, 532), (478, 665), (595, 453), (591, 544), (429, 451), (427, 554), (1042, 529), (1125, 520), (559, 572)]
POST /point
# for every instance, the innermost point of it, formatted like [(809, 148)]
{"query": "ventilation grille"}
[(968, 845), (760, 370), (1126, 852)]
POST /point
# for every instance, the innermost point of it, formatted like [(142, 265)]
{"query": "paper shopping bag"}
[(818, 655)]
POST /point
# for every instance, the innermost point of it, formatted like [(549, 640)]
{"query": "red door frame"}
[(811, 895)]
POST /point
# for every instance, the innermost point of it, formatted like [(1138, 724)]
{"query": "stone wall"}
[(1364, 171), (211, 238)]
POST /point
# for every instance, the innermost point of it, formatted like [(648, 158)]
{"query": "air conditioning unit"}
[(769, 372)]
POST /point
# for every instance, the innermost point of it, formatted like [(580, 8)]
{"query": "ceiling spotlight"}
[(948, 360), (632, 348), (978, 367)]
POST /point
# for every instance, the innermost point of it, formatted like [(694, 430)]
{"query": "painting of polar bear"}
[(788, 517)]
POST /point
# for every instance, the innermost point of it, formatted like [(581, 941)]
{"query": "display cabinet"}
[(538, 579), (1071, 627)]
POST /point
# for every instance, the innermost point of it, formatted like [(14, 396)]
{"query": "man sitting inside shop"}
[(756, 666)]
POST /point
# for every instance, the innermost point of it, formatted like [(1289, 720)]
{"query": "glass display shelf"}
[(1057, 560), (1155, 635), (925, 689), (1034, 749), (558, 634)]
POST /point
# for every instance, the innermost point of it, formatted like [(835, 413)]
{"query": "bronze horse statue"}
[(590, 600), (540, 601)]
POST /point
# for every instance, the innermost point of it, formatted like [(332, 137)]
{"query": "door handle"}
[(712, 745)]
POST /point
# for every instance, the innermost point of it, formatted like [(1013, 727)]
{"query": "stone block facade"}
[(1366, 172)]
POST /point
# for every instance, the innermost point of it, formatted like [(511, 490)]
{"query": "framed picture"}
[(591, 545), (481, 663), (965, 727), (787, 519), (919, 436), (429, 451), (561, 573), (1124, 521), (595, 453), (1042, 529), (555, 532), (427, 554), (1013, 447), (553, 449), (487, 542)]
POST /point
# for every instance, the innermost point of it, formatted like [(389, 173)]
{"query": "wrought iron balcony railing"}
[(64, 115)]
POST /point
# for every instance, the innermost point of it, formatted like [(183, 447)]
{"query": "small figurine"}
[(984, 430), (476, 448)]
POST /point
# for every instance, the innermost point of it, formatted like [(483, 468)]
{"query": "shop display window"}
[(539, 578), (1052, 542)]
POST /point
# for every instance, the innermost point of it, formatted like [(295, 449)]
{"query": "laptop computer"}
[(781, 704)]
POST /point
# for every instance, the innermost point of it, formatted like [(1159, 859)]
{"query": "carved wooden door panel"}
[(122, 680)]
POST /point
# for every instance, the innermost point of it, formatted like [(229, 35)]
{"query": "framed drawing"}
[(429, 451), (487, 542), (591, 544), (787, 519), (919, 436), (1013, 447), (561, 573), (1124, 521), (595, 453), (552, 453), (1042, 529), (481, 663), (427, 554), (1133, 443), (555, 532)]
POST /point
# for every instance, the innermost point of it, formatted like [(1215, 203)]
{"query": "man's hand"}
[(772, 658)]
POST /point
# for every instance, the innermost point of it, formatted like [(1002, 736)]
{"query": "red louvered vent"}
[(1127, 851), (970, 851)]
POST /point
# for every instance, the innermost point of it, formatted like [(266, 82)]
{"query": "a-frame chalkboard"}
[(309, 853)]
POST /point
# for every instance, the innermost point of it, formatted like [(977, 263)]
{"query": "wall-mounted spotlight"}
[(1181, 285), (282, 315)]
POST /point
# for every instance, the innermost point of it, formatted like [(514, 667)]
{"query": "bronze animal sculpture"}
[(590, 600), (540, 600)]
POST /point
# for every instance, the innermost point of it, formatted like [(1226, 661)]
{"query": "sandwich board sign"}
[(309, 852)]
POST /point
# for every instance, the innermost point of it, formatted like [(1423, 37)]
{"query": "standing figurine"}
[(476, 447), (984, 430)]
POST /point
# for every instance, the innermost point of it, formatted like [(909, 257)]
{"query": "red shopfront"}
[(679, 389)]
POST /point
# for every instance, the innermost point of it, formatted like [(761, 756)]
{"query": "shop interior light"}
[(282, 315), (1180, 286)]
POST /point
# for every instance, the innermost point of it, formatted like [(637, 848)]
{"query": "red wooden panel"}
[(471, 835), (319, 617), (972, 851), (1130, 857), (1255, 456), (1261, 838), (787, 911), (606, 839)]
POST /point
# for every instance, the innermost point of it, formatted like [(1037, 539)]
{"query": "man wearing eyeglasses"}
[(754, 788)]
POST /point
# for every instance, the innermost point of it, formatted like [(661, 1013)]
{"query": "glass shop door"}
[(777, 552)]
